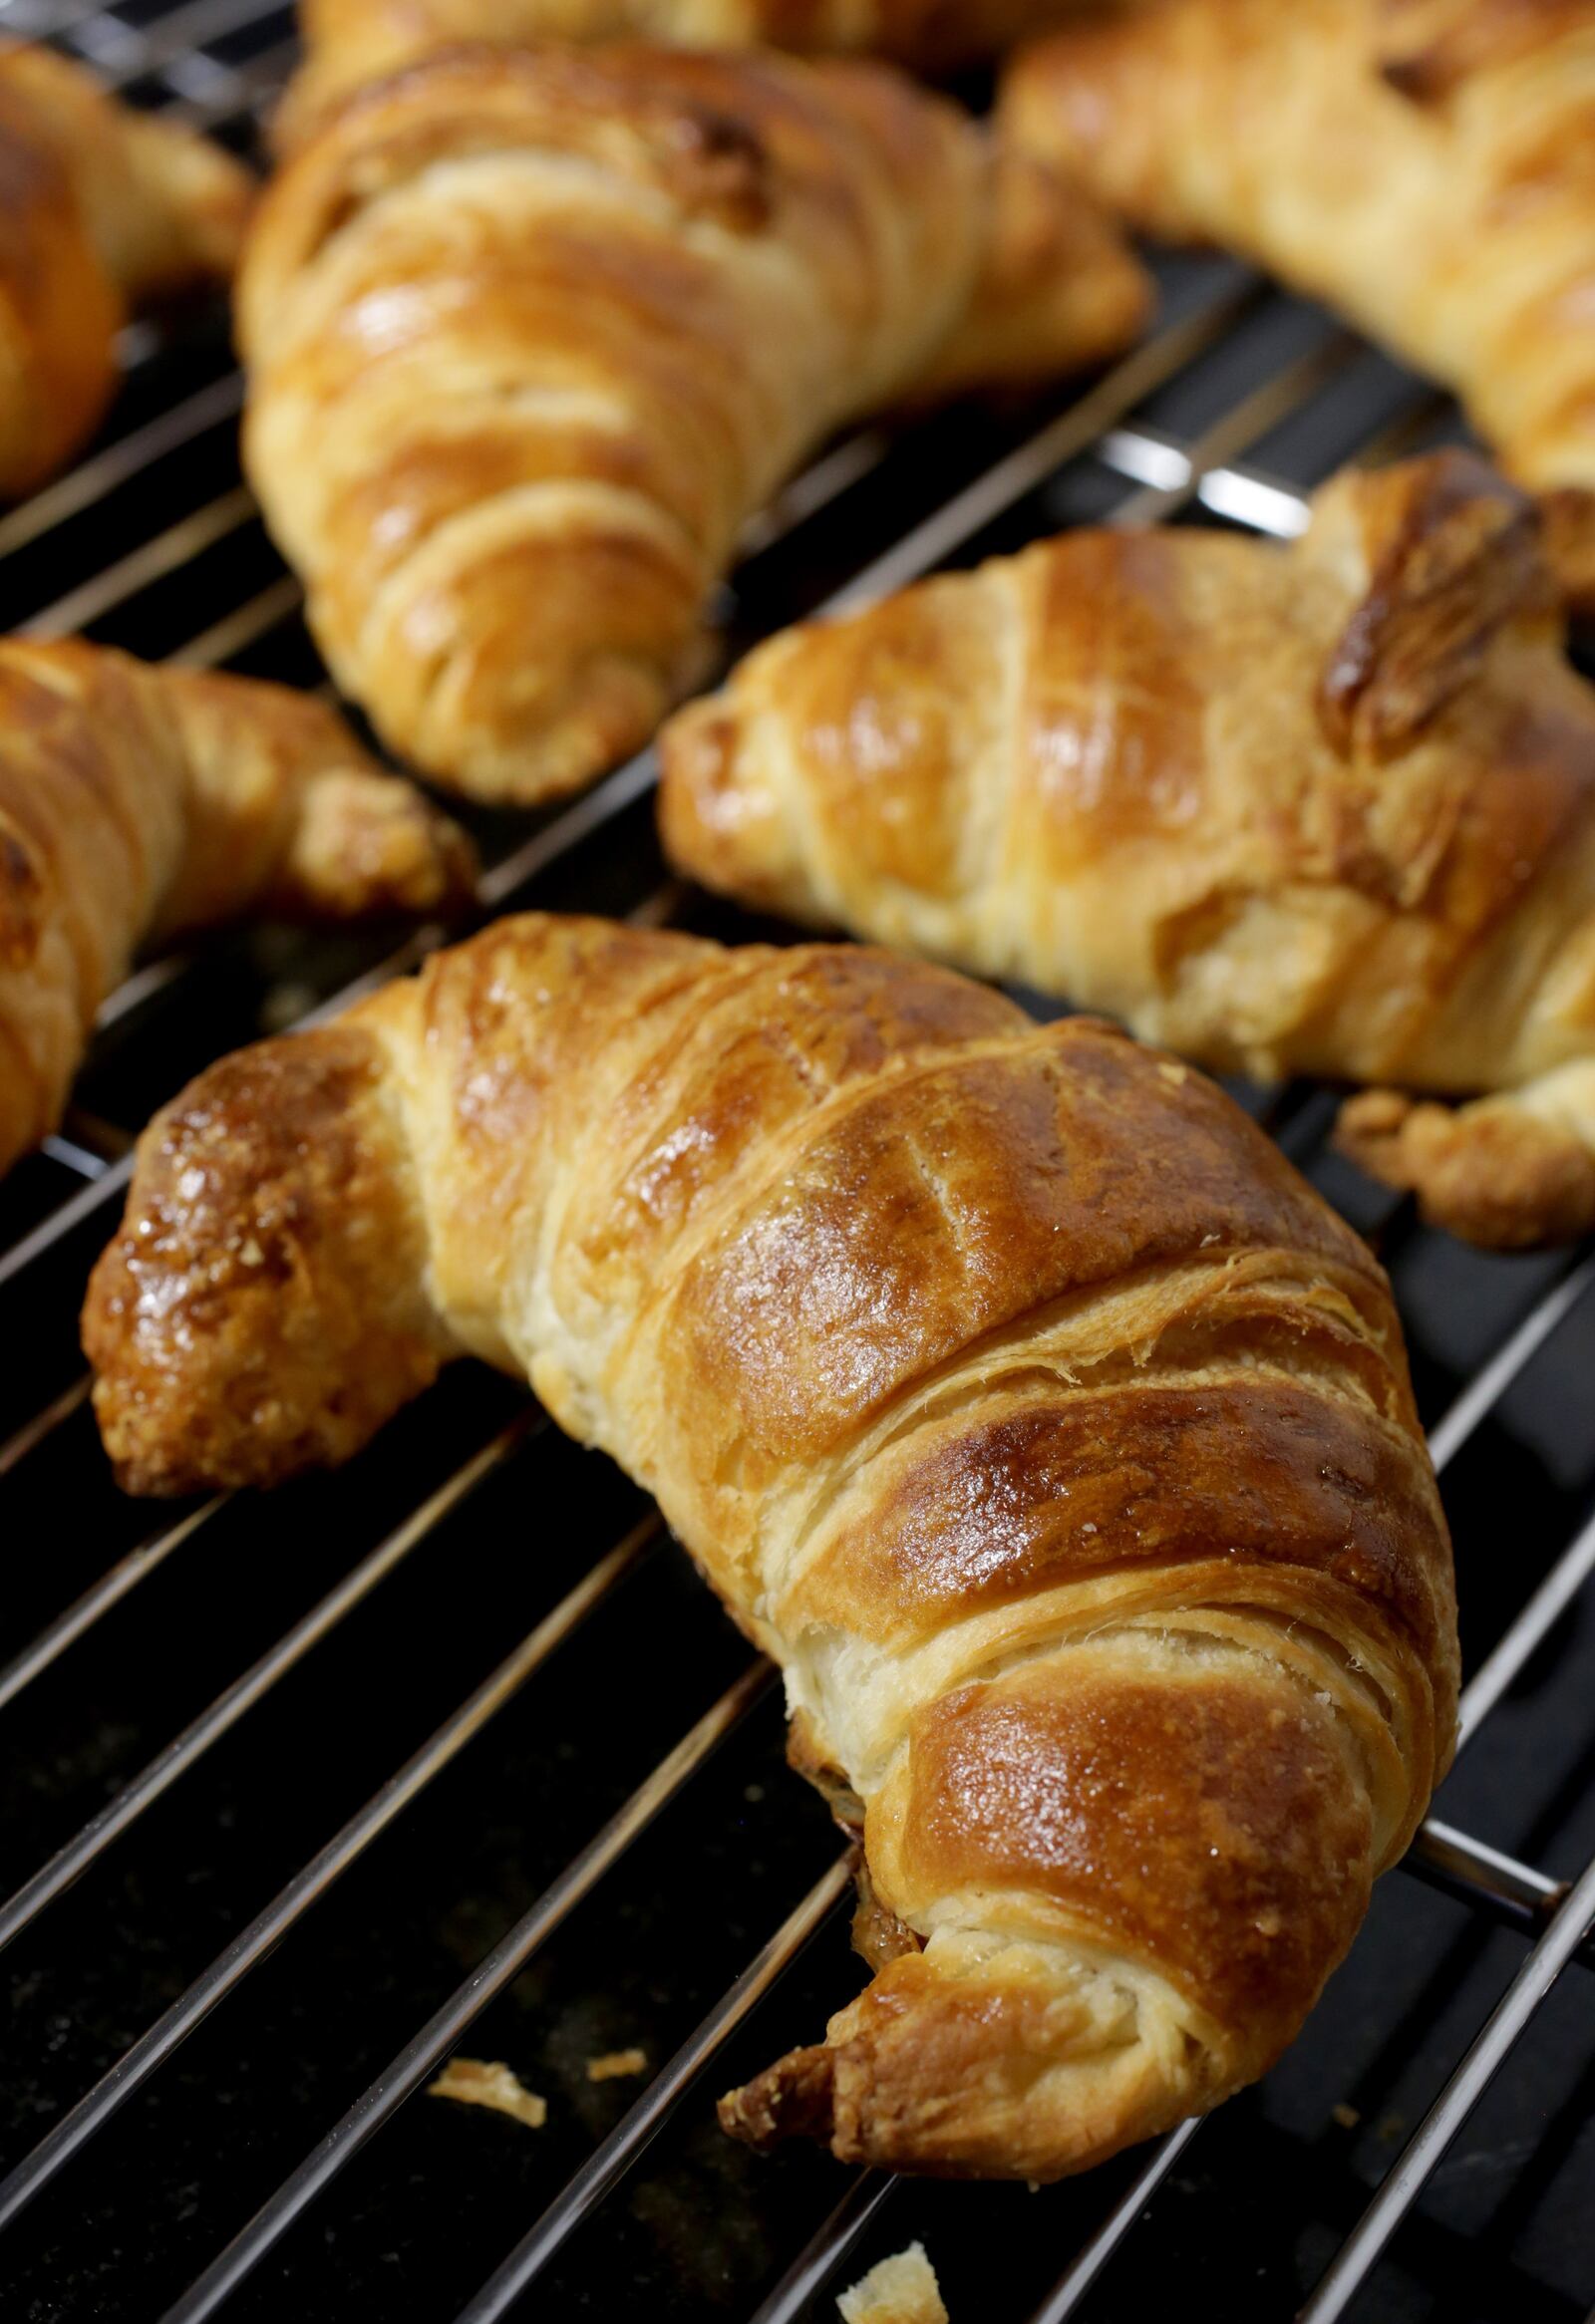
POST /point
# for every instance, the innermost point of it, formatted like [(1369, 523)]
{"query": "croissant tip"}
[(792, 2099)]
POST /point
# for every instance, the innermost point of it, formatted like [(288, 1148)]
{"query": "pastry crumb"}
[(616, 2063), (899, 2290), (1347, 2116), (475, 2082)]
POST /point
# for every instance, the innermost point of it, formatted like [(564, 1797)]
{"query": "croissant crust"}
[(351, 42), (1425, 165), (1004, 1381), (1328, 808), (143, 802), (531, 336)]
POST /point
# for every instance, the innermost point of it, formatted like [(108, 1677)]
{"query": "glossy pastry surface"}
[(531, 336), (1327, 808), (1004, 1381)]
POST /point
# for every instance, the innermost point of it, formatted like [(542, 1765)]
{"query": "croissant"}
[(1425, 165), (350, 42), (1007, 1384), (1327, 808), (103, 210), (532, 335), (140, 803)]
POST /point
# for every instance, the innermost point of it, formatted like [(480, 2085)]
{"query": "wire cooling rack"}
[(287, 1830)]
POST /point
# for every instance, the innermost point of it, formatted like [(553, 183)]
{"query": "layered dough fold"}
[(532, 335), (1005, 1382), (1325, 808)]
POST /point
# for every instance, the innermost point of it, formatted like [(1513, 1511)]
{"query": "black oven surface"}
[(451, 1753)]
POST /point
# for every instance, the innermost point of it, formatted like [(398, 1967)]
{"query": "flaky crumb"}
[(616, 2063), (1347, 2116), (899, 2290), (478, 2084)]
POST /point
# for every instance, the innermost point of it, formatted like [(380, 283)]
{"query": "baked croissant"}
[(1425, 165), (1006, 1383), (532, 335), (350, 42), (1327, 808), (139, 802), (102, 210)]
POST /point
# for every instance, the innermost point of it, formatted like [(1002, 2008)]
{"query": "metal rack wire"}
[(912, 500)]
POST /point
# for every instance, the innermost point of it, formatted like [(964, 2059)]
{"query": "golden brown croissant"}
[(102, 210), (1327, 808), (531, 336), (350, 42), (1006, 1383), (140, 802), (1425, 165)]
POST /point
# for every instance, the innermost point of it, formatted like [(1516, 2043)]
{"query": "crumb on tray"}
[(616, 2063), (475, 2082), (899, 2290)]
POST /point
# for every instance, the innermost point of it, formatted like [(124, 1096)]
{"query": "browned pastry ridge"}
[(1006, 1383), (102, 210), (531, 336), (350, 42), (1327, 808), (1425, 165), (139, 802)]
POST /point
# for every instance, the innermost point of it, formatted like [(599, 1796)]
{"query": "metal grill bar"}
[(1532, 1626), (34, 1431), (71, 1862), (506, 1962), (1504, 1367), (81, 487), (248, 88), (142, 986), (113, 1586), (1506, 2025), (63, 1220), (1478, 1875), (130, 53), (153, 2048), (75, 1157), (175, 547), (826, 2250), (235, 630), (1072, 2286), (613, 2158)]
